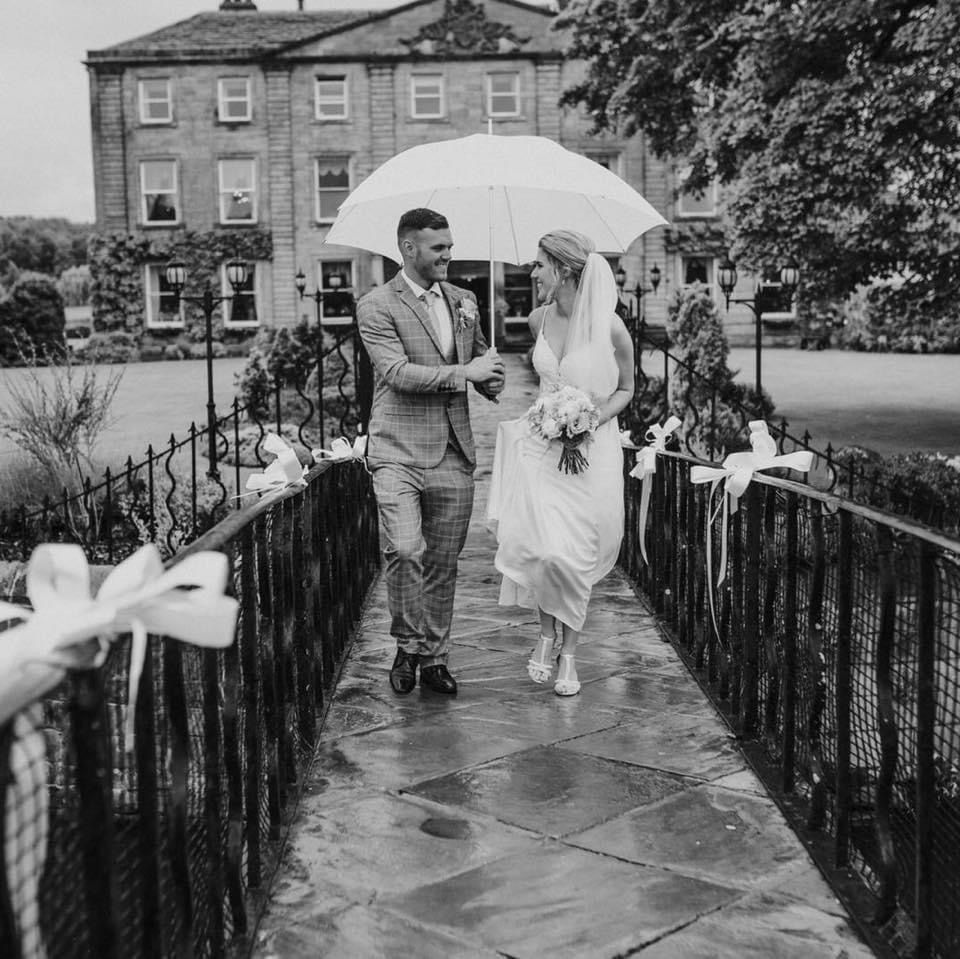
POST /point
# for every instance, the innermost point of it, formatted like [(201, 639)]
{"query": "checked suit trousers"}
[(424, 517)]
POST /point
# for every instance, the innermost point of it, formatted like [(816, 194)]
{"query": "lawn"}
[(888, 402), (153, 401)]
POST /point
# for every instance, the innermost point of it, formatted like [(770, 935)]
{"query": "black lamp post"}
[(635, 296), (176, 276), (727, 279), (334, 283)]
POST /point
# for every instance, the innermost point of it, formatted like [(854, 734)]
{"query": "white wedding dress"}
[(558, 533)]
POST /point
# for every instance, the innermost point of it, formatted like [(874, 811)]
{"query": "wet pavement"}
[(511, 822)]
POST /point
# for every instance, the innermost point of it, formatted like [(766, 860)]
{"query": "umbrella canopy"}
[(500, 195)]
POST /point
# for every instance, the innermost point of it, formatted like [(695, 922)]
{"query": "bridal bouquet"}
[(568, 415)]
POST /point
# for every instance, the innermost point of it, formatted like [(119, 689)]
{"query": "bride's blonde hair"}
[(567, 248)]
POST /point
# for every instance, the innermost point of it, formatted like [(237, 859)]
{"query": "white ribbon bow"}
[(286, 470), (341, 449), (138, 597), (656, 437), (735, 474)]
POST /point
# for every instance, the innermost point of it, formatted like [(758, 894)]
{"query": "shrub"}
[(117, 346), (57, 414), (702, 392), (251, 436), (171, 521), (32, 321), (924, 486), (289, 355)]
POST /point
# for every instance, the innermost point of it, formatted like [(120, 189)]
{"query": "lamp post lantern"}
[(727, 280), (175, 273), (634, 303)]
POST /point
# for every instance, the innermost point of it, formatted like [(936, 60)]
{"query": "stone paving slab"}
[(511, 822)]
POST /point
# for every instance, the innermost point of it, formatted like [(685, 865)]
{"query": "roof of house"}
[(232, 32), (235, 33)]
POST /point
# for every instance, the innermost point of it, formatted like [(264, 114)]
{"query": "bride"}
[(559, 533)]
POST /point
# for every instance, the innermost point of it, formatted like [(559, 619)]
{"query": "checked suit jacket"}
[(419, 397)]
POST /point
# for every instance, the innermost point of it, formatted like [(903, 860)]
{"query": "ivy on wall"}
[(117, 262)]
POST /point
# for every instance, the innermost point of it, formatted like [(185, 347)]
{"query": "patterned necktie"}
[(440, 323)]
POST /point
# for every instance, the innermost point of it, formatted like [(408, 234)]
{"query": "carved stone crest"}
[(464, 28)]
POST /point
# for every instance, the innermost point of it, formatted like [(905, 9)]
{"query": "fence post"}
[(751, 606), (926, 732), (843, 686), (92, 739), (790, 643)]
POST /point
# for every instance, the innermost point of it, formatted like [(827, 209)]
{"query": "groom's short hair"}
[(421, 219)]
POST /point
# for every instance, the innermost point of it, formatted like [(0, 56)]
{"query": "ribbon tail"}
[(724, 526), (644, 509), (138, 655), (711, 516)]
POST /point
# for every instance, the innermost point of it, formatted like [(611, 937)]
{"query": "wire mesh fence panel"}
[(829, 634), (153, 842)]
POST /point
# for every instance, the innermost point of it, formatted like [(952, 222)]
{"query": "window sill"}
[(697, 216), (325, 121), (250, 325), (238, 223), (153, 325), (415, 119), (157, 123), (506, 117), (161, 224)]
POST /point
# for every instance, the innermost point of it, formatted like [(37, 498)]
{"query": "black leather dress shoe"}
[(403, 673), (438, 679)]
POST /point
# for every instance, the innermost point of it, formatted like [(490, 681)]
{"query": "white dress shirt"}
[(437, 305)]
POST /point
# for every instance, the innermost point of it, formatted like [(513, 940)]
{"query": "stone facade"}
[(155, 101)]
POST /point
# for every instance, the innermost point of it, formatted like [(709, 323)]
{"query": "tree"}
[(43, 244), (31, 321), (832, 123)]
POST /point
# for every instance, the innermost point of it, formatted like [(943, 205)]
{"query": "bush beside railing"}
[(836, 657), (174, 494), (168, 850)]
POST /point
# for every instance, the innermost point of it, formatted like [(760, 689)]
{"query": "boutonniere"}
[(467, 312)]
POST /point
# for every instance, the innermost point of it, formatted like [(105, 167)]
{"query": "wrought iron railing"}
[(167, 850), (835, 653), (174, 493), (706, 429)]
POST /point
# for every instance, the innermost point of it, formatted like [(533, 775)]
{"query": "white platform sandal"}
[(540, 665), (567, 683)]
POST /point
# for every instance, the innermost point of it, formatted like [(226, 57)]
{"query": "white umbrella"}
[(500, 195)]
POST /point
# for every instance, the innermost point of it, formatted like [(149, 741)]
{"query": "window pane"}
[(235, 87), (155, 100), (242, 305), (503, 83), (336, 278), (161, 299), (427, 96), (331, 89), (158, 175), (160, 206), (503, 104), (696, 269), (333, 185), (236, 174)]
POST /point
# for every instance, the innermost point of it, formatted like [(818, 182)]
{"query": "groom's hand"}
[(488, 366)]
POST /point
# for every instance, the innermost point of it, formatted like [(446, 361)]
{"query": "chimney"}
[(238, 5)]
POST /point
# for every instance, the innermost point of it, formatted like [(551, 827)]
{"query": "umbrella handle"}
[(493, 309)]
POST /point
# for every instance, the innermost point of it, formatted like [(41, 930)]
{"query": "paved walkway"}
[(511, 822)]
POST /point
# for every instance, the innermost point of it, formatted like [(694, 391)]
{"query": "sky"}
[(46, 165)]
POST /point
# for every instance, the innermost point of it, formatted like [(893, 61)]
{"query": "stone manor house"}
[(238, 133)]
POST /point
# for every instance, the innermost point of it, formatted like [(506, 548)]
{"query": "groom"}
[(424, 339)]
